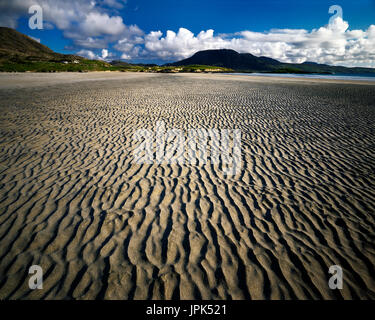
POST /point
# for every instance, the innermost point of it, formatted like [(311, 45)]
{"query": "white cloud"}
[(93, 56), (88, 54), (182, 44), (96, 24), (117, 4), (91, 43), (331, 44), (125, 56), (104, 53)]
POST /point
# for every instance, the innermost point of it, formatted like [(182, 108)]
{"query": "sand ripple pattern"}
[(102, 227)]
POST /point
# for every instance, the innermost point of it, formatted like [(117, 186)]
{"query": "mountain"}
[(20, 53), (246, 62), (228, 59), (15, 45)]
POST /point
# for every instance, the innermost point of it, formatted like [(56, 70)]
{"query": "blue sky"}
[(230, 21), (226, 16)]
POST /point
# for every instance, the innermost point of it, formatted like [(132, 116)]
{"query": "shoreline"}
[(10, 80)]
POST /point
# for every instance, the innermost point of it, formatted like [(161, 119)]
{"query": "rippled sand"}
[(100, 226)]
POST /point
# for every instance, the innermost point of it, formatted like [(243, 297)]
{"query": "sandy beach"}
[(103, 227)]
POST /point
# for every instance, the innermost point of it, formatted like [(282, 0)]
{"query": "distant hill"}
[(228, 59), (246, 62), (20, 53), (15, 45)]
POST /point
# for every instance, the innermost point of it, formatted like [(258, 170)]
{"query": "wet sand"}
[(103, 227)]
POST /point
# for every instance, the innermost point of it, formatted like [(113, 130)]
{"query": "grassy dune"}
[(17, 64)]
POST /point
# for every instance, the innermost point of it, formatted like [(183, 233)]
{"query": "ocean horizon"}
[(359, 77)]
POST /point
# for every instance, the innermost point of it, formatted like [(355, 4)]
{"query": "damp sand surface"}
[(101, 226)]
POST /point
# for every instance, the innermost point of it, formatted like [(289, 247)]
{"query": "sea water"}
[(357, 77)]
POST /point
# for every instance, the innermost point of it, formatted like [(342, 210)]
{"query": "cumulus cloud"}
[(88, 54), (118, 4), (105, 54), (96, 24), (334, 43), (130, 43), (182, 44)]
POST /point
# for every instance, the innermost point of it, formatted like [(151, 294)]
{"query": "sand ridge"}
[(73, 202)]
